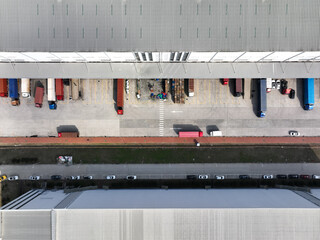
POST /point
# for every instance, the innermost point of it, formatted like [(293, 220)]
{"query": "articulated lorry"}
[(25, 88), (191, 87), (193, 134), (262, 105), (13, 91), (120, 90), (3, 87), (51, 88), (238, 87), (59, 89), (38, 98), (308, 93)]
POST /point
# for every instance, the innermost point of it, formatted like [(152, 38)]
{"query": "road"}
[(160, 171)]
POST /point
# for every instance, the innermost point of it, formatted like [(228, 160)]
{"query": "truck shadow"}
[(67, 128), (115, 94), (185, 127), (254, 95), (299, 91)]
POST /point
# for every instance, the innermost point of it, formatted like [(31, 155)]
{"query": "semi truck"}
[(3, 87), (120, 89), (238, 87), (13, 91), (25, 87), (193, 134), (51, 88), (59, 89), (191, 87), (262, 105), (308, 97), (38, 98)]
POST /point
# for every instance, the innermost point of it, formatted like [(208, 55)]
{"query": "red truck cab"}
[(225, 81)]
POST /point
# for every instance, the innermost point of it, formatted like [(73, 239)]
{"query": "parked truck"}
[(193, 134), (59, 89), (120, 89), (25, 88), (68, 134), (238, 87), (308, 93), (13, 91), (38, 98), (191, 87), (262, 105), (51, 88), (3, 87)]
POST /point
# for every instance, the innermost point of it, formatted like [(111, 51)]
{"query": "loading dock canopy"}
[(159, 26)]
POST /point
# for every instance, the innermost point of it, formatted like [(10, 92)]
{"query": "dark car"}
[(304, 176), (292, 94), (244, 177), (293, 176), (282, 176), (55, 177), (192, 176), (283, 84)]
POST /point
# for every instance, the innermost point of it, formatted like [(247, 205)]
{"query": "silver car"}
[(34, 177), (267, 176), (13, 178), (131, 177), (111, 177), (205, 176), (219, 177)]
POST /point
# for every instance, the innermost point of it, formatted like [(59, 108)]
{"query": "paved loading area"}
[(212, 107)]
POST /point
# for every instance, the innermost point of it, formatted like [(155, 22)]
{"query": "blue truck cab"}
[(52, 106), (13, 91), (308, 93)]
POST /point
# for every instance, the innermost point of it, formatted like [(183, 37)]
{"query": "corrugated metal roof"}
[(159, 25)]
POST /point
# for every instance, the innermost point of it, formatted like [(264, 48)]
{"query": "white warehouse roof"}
[(159, 25)]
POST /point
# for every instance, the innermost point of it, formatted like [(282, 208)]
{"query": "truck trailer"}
[(120, 89), (59, 89), (25, 87), (68, 134), (308, 91), (13, 91), (38, 98), (238, 87), (3, 87), (191, 87), (262, 105), (51, 88), (193, 134)]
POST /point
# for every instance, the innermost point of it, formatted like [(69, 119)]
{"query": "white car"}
[(294, 133), (77, 177), (278, 84), (111, 177), (219, 177), (203, 176), (71, 178), (34, 177), (13, 178), (267, 176), (315, 176), (87, 177)]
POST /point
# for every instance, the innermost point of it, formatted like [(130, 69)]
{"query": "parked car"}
[(34, 177), (278, 84), (56, 177), (3, 177), (192, 176), (267, 176), (294, 133), (304, 176), (87, 177), (13, 178), (77, 177), (110, 177), (203, 176), (71, 178), (284, 84), (293, 176), (282, 176), (131, 177), (315, 176), (219, 177), (292, 94), (244, 177)]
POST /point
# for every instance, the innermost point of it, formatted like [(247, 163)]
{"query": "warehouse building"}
[(159, 38), (163, 214)]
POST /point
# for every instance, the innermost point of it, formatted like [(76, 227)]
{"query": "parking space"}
[(213, 106)]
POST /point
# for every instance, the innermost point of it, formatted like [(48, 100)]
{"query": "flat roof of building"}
[(159, 25)]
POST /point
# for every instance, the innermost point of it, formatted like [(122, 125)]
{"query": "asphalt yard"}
[(212, 107)]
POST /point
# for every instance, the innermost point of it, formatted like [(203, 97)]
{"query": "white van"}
[(25, 87), (216, 134)]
